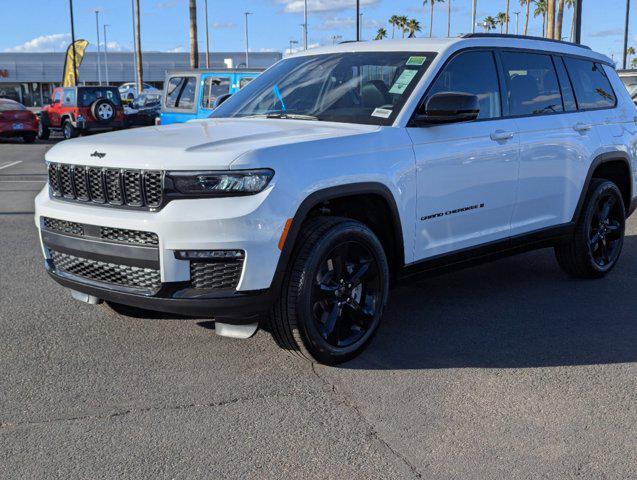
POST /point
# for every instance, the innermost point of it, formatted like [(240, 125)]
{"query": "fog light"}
[(209, 254)]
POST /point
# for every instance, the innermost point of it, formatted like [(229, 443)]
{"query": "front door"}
[(467, 173)]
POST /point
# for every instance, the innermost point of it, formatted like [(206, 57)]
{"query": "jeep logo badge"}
[(98, 154)]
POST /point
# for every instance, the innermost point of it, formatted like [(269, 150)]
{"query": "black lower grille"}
[(147, 279), (216, 274), (119, 235)]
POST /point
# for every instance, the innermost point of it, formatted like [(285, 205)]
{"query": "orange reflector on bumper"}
[(284, 233)]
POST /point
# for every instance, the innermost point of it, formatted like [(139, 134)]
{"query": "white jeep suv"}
[(341, 170)]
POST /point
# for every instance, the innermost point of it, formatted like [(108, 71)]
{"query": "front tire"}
[(597, 242), (333, 297), (43, 131), (68, 130)]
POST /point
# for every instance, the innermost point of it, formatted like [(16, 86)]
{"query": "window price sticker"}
[(403, 81)]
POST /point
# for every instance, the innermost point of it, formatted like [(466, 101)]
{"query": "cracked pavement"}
[(508, 370)]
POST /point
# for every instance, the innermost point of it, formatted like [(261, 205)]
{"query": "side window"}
[(533, 88), (181, 92), (474, 73), (592, 88), (244, 81), (567, 89), (69, 96), (212, 88), (57, 96)]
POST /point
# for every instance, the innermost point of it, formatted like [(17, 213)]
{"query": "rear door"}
[(467, 172), (55, 108), (556, 140)]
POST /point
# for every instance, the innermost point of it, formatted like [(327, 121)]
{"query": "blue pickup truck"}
[(191, 94)]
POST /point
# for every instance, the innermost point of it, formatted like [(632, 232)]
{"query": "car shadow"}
[(520, 312)]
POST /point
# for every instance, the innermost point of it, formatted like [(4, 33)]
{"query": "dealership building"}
[(29, 78)]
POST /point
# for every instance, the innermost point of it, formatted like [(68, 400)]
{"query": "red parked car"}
[(17, 121), (77, 110)]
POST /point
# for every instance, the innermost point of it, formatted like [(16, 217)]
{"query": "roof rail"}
[(522, 37)]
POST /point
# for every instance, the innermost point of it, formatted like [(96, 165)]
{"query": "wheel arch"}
[(613, 166), (323, 198)]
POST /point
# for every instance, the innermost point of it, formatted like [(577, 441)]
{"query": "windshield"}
[(87, 95), (365, 87)]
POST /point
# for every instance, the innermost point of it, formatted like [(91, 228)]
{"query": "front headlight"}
[(240, 182)]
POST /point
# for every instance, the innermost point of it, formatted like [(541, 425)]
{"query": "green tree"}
[(502, 20), (402, 24), (394, 21), (630, 51), (412, 27), (541, 9), (380, 34), (490, 23), (527, 4), (431, 14)]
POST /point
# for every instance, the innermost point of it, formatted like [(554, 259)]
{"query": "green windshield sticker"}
[(403, 82), (416, 61)]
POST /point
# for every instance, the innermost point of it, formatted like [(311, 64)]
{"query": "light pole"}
[(207, 39), (106, 54), (73, 43), (292, 42), (360, 23), (97, 29), (626, 34), (247, 39), (305, 25), (358, 16), (517, 16), (473, 15), (336, 37)]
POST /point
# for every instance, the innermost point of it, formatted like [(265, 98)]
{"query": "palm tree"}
[(526, 3), (138, 49), (634, 63), (402, 24), (431, 14), (394, 21), (194, 48), (449, 18), (412, 27), (550, 19), (507, 17), (490, 23), (571, 4), (380, 34), (540, 9), (559, 20), (501, 19), (630, 51)]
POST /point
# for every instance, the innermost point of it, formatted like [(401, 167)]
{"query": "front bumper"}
[(193, 224)]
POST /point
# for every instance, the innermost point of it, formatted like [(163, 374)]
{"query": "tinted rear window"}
[(533, 85), (592, 88), (87, 95), (7, 106)]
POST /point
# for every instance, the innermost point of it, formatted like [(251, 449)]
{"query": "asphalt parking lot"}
[(509, 370)]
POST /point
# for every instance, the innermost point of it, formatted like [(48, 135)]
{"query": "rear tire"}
[(68, 130), (43, 132), (332, 298), (595, 247)]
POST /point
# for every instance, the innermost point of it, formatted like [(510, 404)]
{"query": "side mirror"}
[(220, 99), (448, 107)]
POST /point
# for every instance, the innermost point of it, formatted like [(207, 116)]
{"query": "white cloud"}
[(178, 49), (297, 6), (167, 4), (115, 47), (342, 23), (45, 43), (223, 25), (607, 33)]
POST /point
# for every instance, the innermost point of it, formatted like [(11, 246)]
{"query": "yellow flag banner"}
[(70, 67)]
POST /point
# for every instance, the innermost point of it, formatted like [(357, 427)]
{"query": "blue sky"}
[(44, 25)]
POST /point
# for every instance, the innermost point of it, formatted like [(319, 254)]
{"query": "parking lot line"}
[(10, 164)]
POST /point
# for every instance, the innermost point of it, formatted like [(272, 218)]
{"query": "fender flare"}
[(599, 160), (330, 193)]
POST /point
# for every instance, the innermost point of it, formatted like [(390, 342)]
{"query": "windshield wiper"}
[(285, 115)]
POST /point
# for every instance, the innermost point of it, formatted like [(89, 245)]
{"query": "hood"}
[(200, 144)]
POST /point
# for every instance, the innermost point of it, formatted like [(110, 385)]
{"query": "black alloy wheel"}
[(596, 244), (346, 294), (606, 230)]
